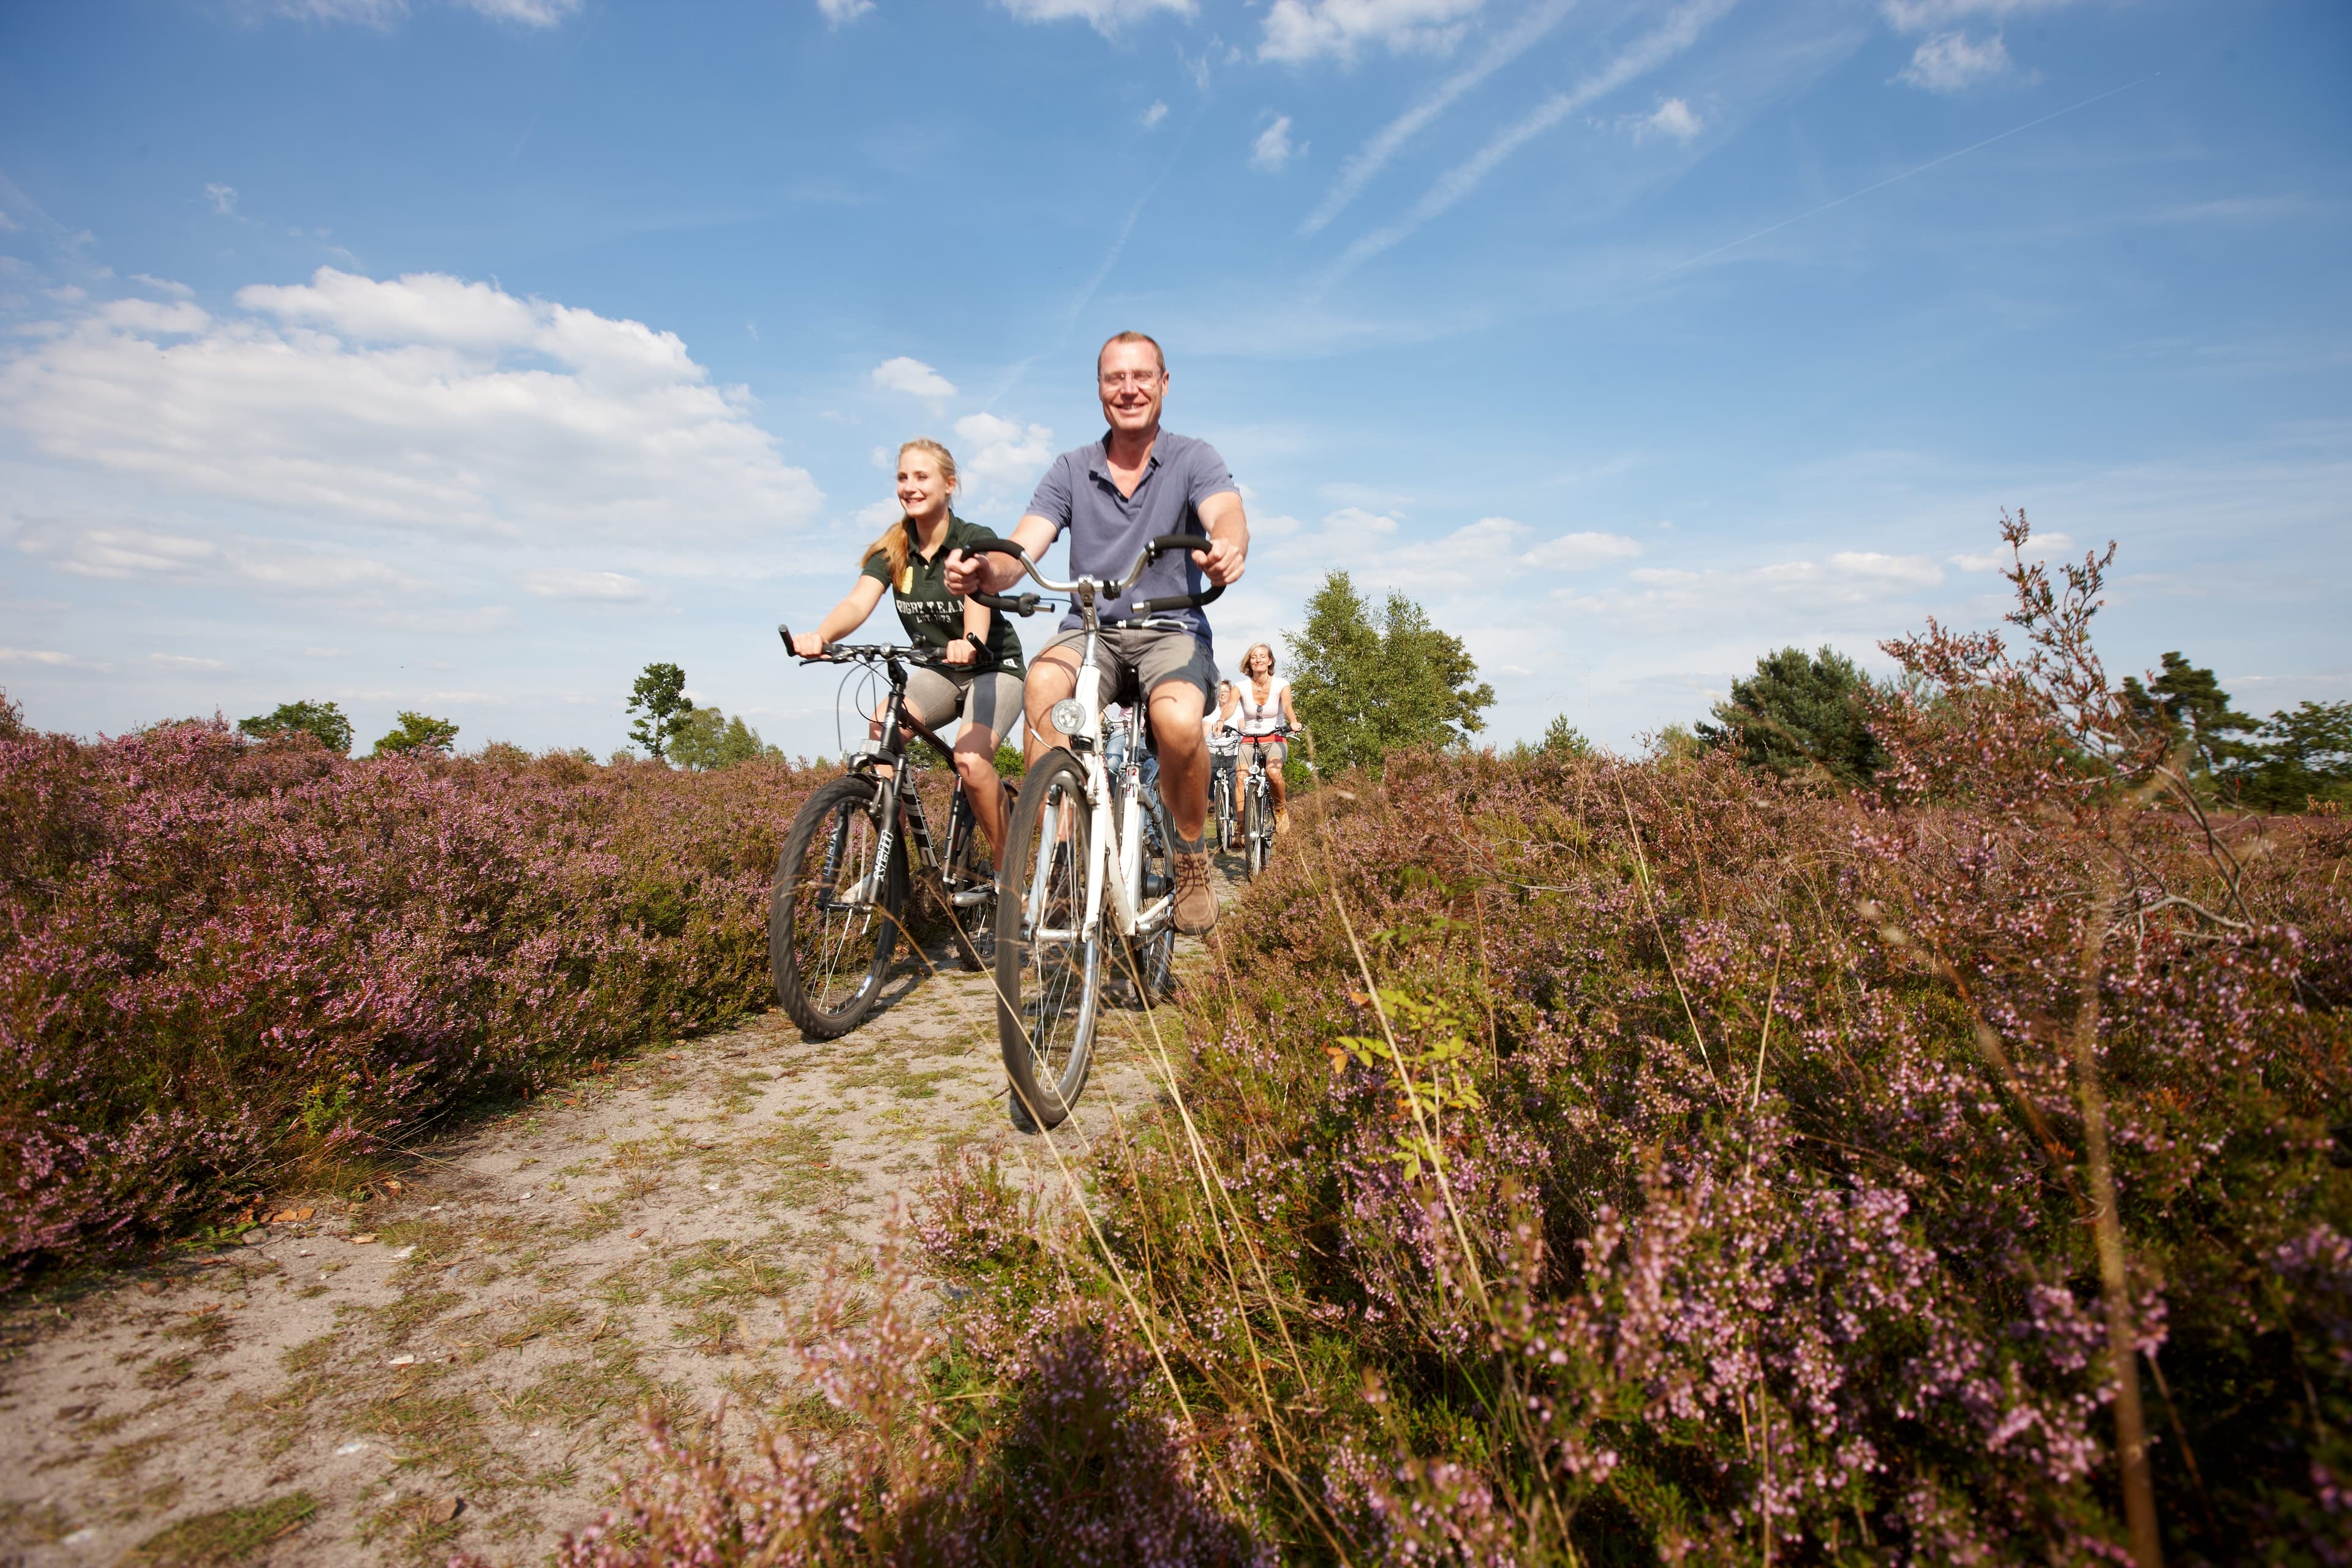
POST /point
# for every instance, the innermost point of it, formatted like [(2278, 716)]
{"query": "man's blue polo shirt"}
[(1107, 530)]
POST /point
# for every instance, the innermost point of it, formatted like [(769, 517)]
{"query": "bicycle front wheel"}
[(1257, 827), (1225, 813), (834, 912), (1048, 970)]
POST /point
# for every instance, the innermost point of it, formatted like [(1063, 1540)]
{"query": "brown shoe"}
[(1282, 822), (1196, 902)]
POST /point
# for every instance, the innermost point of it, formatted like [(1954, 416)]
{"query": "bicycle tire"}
[(1154, 956), (1048, 975), (959, 877), (1255, 830), (828, 959), (1225, 814)]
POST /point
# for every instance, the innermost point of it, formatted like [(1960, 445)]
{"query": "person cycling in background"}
[(1115, 495), (1224, 740), (910, 561), (1263, 709)]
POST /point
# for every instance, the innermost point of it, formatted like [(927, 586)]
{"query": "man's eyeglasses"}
[(1115, 380)]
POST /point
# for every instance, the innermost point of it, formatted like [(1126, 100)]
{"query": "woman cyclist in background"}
[(1224, 742), (1263, 707), (910, 560)]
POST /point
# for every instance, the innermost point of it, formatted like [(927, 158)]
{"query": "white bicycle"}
[(1087, 866)]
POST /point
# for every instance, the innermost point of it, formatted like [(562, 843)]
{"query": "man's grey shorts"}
[(1144, 659), (990, 699)]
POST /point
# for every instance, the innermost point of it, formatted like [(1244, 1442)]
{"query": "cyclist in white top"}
[(1223, 738), (1263, 709)]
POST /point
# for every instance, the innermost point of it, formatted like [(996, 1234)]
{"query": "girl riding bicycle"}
[(1264, 710), (910, 561)]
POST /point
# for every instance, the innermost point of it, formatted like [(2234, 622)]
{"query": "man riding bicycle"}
[(1115, 495)]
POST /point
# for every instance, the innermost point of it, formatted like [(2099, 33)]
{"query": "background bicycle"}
[(1257, 800), (856, 851)]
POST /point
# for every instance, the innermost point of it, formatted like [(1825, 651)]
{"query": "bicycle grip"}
[(1175, 601), (1167, 542), (996, 547), (1016, 604)]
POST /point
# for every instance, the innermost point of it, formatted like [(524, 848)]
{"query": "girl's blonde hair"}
[(896, 544), (1250, 653)]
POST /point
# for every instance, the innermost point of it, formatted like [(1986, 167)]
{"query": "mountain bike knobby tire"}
[(1048, 975), (828, 957)]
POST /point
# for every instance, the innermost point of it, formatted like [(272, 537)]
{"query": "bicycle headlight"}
[(1069, 716)]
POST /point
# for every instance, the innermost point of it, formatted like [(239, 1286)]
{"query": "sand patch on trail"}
[(460, 1365)]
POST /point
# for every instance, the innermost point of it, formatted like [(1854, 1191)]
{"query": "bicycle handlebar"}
[(875, 653), (1025, 604)]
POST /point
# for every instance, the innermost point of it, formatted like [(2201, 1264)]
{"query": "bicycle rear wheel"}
[(1224, 809), (833, 920), (1048, 972), (1154, 953), (970, 883)]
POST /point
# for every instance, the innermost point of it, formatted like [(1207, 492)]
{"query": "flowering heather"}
[(1581, 1159), (227, 966)]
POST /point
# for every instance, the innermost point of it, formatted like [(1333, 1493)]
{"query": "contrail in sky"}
[(1677, 34), (1374, 155), (1898, 179)]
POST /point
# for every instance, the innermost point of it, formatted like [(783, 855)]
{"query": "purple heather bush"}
[(225, 965)]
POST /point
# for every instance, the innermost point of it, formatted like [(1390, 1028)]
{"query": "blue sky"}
[(466, 357)]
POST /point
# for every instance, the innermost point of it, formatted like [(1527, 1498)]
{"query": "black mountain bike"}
[(1257, 801), (856, 851)]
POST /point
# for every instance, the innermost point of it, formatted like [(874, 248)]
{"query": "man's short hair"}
[(1131, 337)]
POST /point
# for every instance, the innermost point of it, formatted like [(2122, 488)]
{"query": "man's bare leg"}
[(1176, 710), (1052, 675)]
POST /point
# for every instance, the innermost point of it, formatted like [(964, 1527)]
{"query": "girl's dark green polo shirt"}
[(933, 617)]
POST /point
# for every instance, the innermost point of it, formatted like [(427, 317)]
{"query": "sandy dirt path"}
[(459, 1364)]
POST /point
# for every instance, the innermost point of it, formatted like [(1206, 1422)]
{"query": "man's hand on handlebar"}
[(1222, 562), (969, 574)]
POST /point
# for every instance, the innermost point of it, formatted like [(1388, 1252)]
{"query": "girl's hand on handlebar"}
[(1222, 562), (808, 644), (961, 651)]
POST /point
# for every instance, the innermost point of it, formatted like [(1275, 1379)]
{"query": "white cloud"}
[(1105, 17), (994, 452), (33, 656), (163, 286), (118, 551), (184, 661), (581, 585), (1373, 155), (1951, 62), (876, 515), (1300, 30), (423, 402), (8, 225), (529, 13), (1673, 117), (2040, 547), (913, 377), (1850, 587), (1154, 116), (383, 14), (1919, 15), (222, 197), (1353, 522), (1578, 552), (1647, 53), (1272, 149), (841, 13)]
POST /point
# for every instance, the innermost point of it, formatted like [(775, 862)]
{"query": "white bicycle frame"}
[(1119, 829)]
